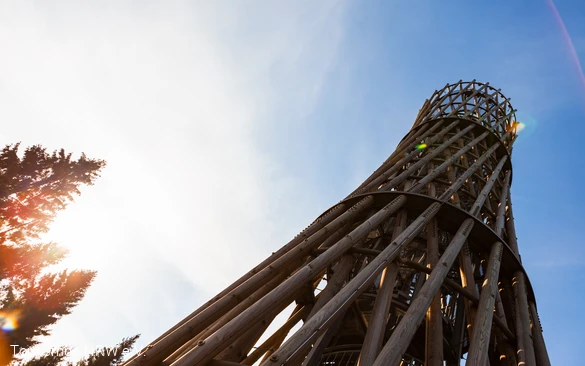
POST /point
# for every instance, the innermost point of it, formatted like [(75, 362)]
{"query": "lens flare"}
[(515, 127), (421, 146), (9, 320), (527, 127)]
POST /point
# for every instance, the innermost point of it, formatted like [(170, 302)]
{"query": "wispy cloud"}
[(174, 97)]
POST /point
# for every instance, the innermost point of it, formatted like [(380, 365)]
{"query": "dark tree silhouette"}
[(34, 186)]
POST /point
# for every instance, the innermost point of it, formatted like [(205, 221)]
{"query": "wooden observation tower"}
[(418, 266)]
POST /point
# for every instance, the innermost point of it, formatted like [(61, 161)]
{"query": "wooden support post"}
[(501, 217), (335, 283), (430, 155), (478, 350), (319, 323), (454, 187), (340, 276), (452, 175), (385, 175), (508, 303), (208, 349), (540, 352), (149, 353), (238, 350), (167, 345), (398, 155), (483, 195), (316, 352), (473, 299), (404, 331), (434, 319), (525, 348), (375, 335), (458, 330), (226, 318), (269, 314), (511, 229), (468, 283), (507, 353), (278, 337)]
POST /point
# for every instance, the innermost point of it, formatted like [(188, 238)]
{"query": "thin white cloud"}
[(174, 97)]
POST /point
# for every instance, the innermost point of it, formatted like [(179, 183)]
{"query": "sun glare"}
[(9, 320), (75, 229)]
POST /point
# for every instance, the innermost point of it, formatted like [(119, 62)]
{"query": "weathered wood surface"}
[(398, 263)]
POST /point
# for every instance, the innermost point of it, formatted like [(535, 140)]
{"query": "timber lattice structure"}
[(418, 266)]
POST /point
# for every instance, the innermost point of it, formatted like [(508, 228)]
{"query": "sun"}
[(79, 229)]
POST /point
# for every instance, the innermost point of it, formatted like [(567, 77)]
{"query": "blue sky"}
[(228, 126)]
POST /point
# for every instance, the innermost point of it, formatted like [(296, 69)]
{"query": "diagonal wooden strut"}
[(417, 266)]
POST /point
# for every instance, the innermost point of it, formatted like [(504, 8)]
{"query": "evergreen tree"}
[(34, 186)]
